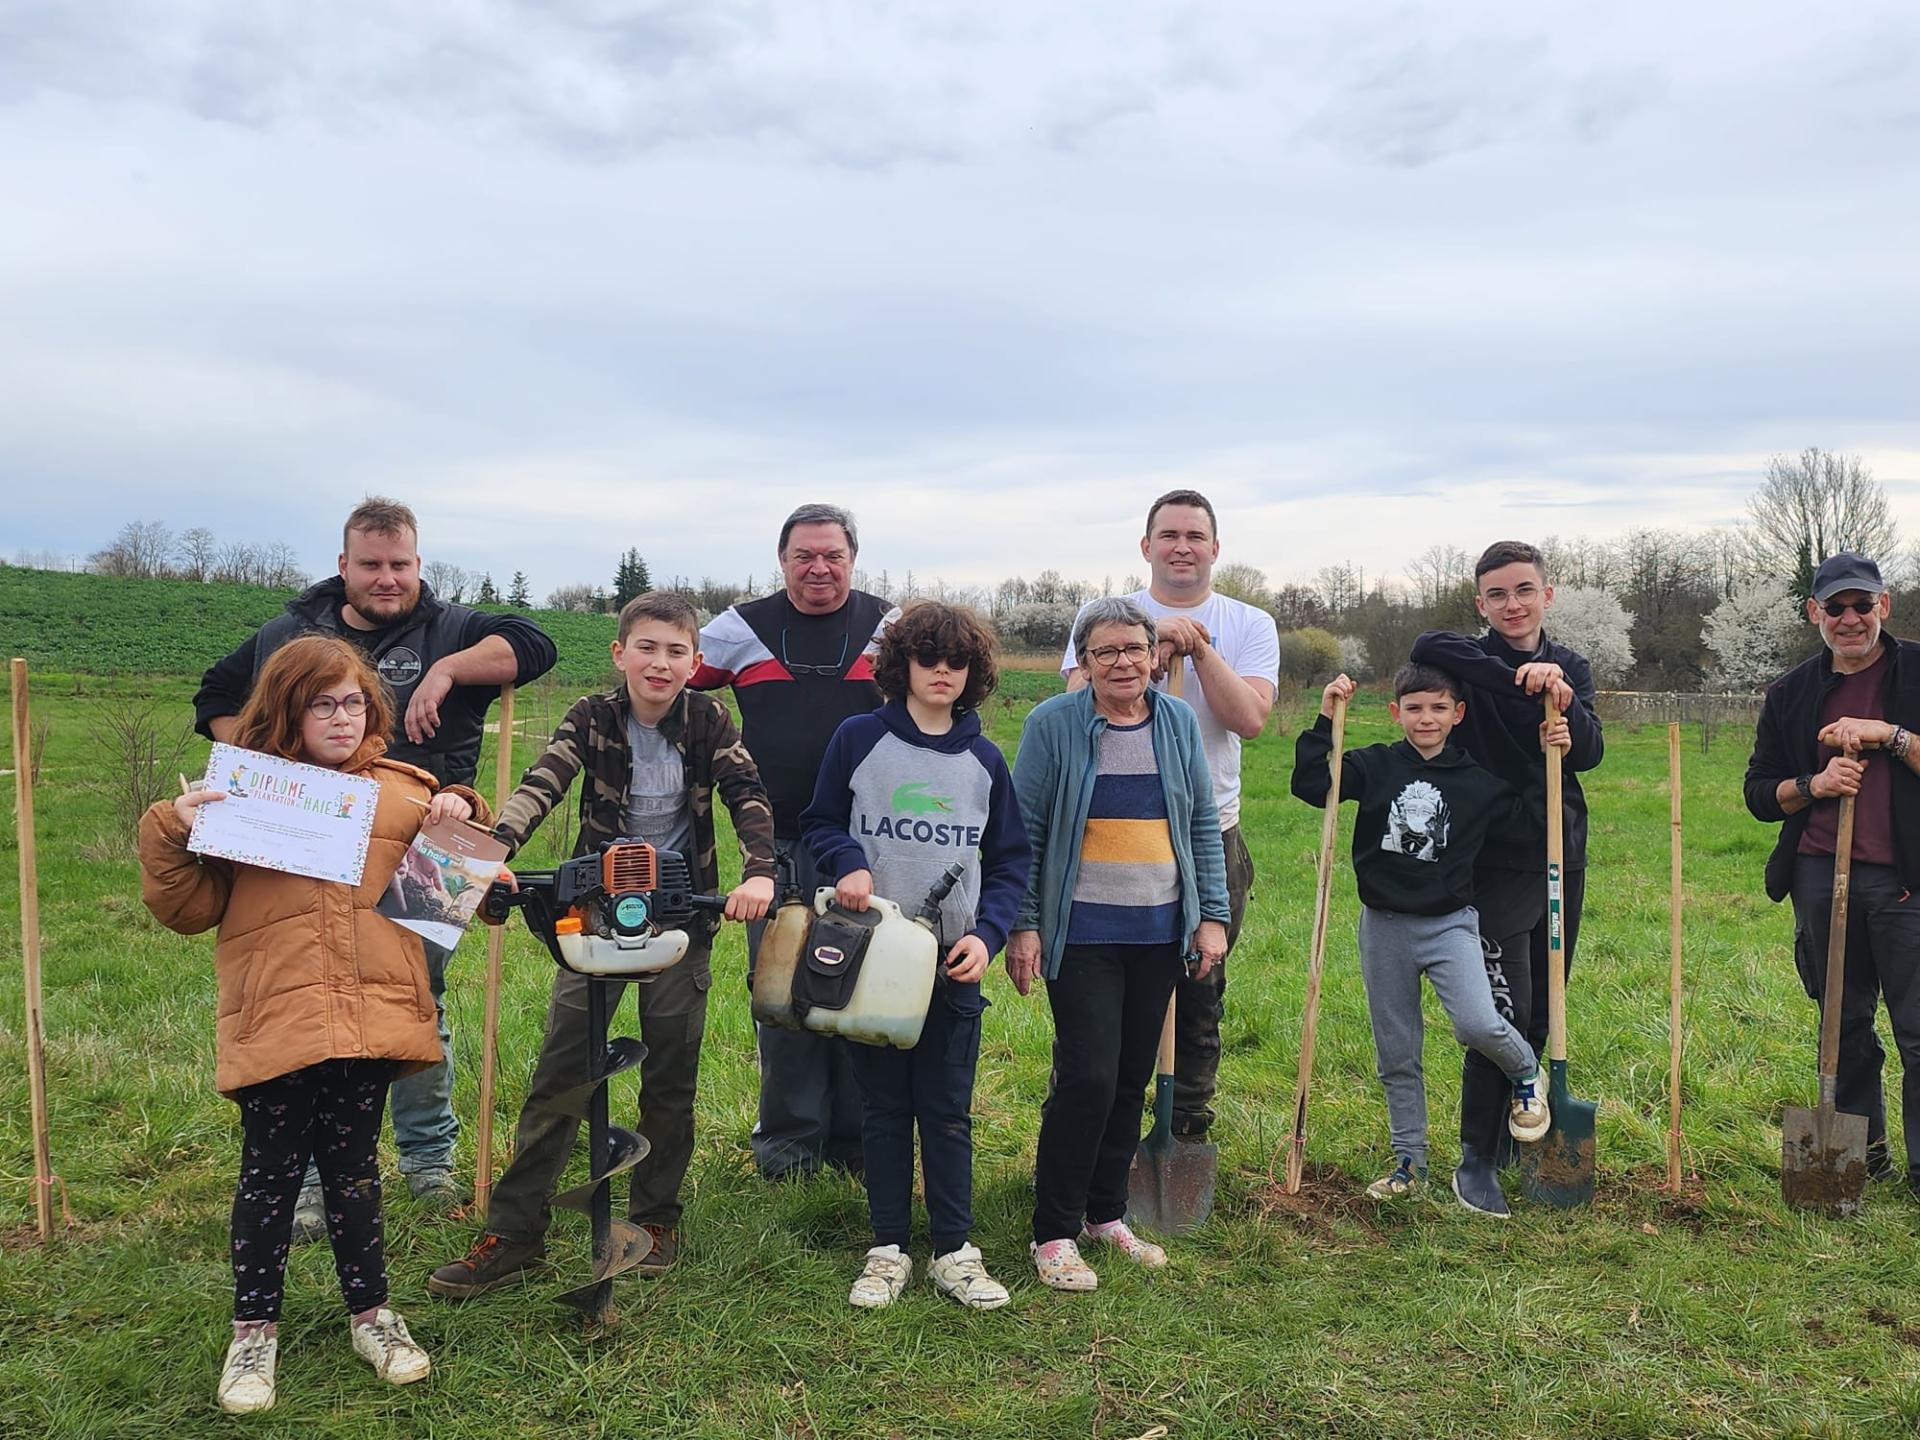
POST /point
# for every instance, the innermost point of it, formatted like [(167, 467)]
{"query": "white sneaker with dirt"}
[(1060, 1267), (246, 1384), (1528, 1117), (885, 1276), (961, 1275), (383, 1342), (1143, 1253), (1407, 1179), (310, 1216)]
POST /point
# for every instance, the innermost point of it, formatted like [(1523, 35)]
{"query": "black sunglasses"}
[(1837, 608), (931, 658)]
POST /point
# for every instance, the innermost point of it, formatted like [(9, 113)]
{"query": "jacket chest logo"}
[(399, 667)]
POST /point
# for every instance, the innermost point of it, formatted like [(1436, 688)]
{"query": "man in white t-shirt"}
[(1231, 654)]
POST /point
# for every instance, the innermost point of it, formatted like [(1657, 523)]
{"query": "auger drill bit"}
[(618, 1245)]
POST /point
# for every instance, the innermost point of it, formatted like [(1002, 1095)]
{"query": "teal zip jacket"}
[(1053, 777)]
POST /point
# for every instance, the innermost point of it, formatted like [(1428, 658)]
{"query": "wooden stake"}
[(496, 949), (30, 955), (1317, 956), (1673, 978)]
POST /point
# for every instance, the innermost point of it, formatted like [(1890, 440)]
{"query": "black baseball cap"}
[(1847, 571)]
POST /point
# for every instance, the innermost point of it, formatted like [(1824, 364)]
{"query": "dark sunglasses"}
[(1837, 608), (931, 658)]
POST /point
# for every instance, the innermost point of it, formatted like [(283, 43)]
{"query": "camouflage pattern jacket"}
[(593, 738)]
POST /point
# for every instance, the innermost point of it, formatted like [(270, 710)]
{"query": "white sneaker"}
[(962, 1275), (246, 1384), (885, 1276), (384, 1343), (1060, 1267), (1528, 1119), (1144, 1253)]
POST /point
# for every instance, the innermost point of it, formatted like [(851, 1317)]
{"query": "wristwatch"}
[(1804, 784)]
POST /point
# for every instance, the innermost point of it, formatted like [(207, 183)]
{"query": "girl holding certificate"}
[(323, 1003)]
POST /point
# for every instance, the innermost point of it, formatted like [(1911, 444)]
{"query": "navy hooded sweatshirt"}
[(906, 805)]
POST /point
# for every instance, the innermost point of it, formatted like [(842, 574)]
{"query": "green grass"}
[(1715, 1312)]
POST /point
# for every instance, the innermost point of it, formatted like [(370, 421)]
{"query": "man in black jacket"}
[(1507, 671), (1821, 719), (443, 665)]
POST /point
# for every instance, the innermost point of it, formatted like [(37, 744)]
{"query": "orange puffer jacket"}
[(308, 969)]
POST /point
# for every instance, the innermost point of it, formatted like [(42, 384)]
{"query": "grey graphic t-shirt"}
[(657, 809)]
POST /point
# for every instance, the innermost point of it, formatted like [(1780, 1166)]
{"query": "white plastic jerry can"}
[(895, 984)]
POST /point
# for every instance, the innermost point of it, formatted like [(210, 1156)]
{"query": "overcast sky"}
[(574, 276)]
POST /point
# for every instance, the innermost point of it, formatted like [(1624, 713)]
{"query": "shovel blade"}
[(1823, 1160), (625, 1149), (1170, 1187), (1558, 1168)]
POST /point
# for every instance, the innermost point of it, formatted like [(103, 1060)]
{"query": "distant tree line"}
[(1654, 609)]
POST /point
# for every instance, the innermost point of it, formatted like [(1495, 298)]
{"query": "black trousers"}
[(1513, 942), (1108, 1004), (1883, 961), (1196, 1019), (330, 1112), (931, 1087)]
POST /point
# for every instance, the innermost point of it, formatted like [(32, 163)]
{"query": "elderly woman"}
[(1128, 882)]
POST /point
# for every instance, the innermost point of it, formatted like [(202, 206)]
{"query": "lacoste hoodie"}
[(1421, 822), (906, 805)]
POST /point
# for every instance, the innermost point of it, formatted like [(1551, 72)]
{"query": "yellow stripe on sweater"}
[(1127, 842)]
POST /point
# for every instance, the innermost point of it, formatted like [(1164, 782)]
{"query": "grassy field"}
[(1716, 1312)]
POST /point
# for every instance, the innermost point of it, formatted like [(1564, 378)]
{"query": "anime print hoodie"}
[(1421, 822), (906, 805)]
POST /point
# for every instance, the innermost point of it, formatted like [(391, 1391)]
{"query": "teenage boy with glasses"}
[(1841, 723)]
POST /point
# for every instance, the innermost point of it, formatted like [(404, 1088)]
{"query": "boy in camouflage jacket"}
[(649, 755)]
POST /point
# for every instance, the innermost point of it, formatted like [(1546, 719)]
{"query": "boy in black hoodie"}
[(1425, 809)]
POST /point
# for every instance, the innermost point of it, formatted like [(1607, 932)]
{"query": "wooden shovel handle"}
[(1164, 1063), (1836, 952), (1556, 887), (1317, 954)]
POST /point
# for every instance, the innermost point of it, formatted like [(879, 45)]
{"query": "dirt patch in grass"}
[(1329, 1206), (1643, 1189), (1906, 1334)]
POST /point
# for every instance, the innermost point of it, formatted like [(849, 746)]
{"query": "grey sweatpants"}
[(1395, 951)]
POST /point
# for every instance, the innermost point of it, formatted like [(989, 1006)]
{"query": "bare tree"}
[(1241, 581), (139, 552), (1341, 586), (280, 568), (1815, 505), (447, 580), (1295, 607), (237, 563), (143, 748), (1441, 572), (194, 552)]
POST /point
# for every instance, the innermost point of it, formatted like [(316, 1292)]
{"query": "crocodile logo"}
[(912, 799)]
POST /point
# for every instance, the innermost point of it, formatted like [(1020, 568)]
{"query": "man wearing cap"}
[(1839, 724)]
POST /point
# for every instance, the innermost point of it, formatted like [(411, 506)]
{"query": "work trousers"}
[(931, 1087), (673, 1020), (329, 1112), (1882, 961), (1201, 1003), (1108, 1003)]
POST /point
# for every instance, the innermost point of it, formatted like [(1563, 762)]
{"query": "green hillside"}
[(98, 625)]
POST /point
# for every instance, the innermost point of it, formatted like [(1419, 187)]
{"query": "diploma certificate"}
[(285, 815)]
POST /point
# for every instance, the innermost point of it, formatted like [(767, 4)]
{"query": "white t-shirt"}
[(1249, 642)]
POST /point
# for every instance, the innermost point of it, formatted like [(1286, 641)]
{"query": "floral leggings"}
[(331, 1112)]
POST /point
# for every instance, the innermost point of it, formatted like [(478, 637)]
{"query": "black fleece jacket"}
[(1502, 732), (402, 652), (1785, 746), (1421, 822)]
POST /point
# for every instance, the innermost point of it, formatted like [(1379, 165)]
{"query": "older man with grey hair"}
[(1839, 724), (800, 661)]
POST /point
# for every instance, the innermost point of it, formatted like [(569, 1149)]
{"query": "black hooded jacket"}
[(1421, 824), (402, 652)]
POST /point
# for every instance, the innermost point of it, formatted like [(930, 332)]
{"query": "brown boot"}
[(491, 1263), (666, 1248)]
